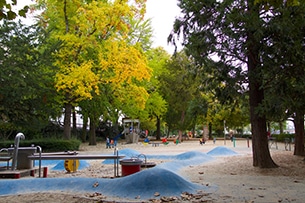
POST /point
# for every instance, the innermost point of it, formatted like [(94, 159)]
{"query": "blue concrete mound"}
[(221, 151), (186, 159), (147, 182), (143, 184), (163, 178)]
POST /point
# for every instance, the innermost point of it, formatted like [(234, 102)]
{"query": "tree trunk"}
[(210, 131), (181, 125), (180, 135), (260, 148), (74, 124), (299, 134), (84, 131), (158, 125), (67, 121), (281, 127), (92, 135)]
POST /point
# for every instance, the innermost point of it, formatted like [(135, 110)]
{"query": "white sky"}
[(162, 14)]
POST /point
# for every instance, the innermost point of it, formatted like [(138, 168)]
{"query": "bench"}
[(155, 144)]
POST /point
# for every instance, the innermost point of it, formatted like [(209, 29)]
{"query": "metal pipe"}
[(4, 149), (8, 161), (143, 156), (16, 146), (39, 150)]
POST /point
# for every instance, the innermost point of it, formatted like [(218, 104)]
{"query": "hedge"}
[(47, 145)]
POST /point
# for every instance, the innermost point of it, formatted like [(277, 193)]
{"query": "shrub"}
[(47, 145)]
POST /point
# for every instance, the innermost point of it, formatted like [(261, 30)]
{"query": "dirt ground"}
[(234, 177)]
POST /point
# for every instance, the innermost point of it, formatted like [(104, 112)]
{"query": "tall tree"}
[(178, 87), (284, 55), (233, 32), (27, 96), (156, 105), (85, 30)]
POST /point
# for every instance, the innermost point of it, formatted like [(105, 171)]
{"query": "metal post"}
[(224, 131), (114, 164), (16, 147), (39, 169)]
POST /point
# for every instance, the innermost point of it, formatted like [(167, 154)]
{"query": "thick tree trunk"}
[(299, 134), (67, 121), (260, 149), (158, 125)]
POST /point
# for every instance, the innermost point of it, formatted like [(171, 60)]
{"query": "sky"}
[(162, 14)]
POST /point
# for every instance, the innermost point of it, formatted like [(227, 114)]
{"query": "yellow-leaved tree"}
[(86, 30)]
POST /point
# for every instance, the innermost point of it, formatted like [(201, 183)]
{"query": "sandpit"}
[(187, 172)]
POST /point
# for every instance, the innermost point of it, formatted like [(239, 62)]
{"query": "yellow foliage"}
[(122, 63), (97, 27), (132, 95), (80, 80)]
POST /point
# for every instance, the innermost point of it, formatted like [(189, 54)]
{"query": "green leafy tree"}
[(179, 88), (7, 12), (27, 96), (284, 57), (233, 31), (156, 106)]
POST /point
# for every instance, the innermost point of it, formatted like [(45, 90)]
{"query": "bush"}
[(281, 137), (47, 145)]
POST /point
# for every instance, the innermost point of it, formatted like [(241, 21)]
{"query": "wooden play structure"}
[(131, 130)]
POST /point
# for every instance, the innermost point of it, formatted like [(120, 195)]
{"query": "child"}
[(107, 142)]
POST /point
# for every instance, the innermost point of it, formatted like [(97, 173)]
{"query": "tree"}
[(284, 54), (27, 95), (156, 105), (233, 31), (7, 12), (86, 30), (178, 89)]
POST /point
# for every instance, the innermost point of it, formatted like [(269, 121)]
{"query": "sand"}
[(231, 178)]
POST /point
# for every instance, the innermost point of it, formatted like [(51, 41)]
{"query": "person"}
[(164, 141), (176, 141), (201, 141), (146, 140), (112, 143), (231, 135), (107, 142)]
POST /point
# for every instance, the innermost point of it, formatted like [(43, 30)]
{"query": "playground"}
[(184, 172)]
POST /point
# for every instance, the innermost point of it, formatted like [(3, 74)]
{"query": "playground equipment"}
[(131, 130), (146, 164), (130, 166), (21, 164), (23, 157)]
